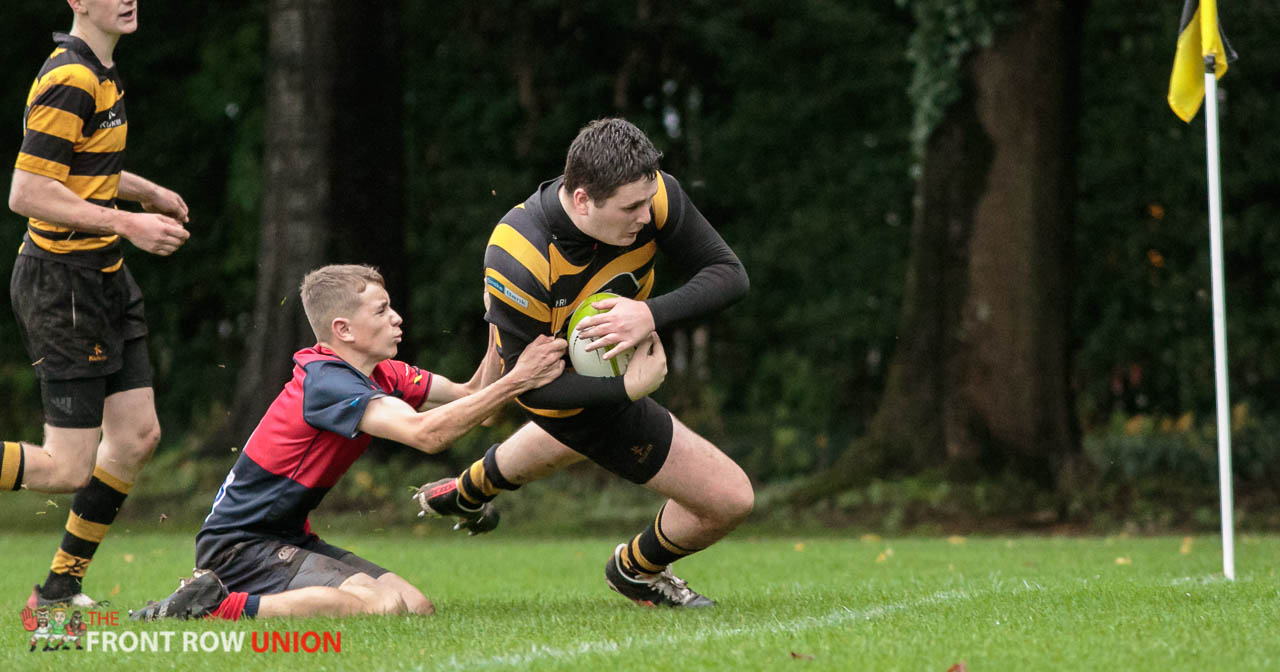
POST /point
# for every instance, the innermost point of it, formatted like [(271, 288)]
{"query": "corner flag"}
[(1198, 36), (1202, 58)]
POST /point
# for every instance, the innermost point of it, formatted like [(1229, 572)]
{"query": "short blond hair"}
[(334, 291)]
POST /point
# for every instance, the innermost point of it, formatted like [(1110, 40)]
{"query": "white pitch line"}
[(839, 616), (537, 652)]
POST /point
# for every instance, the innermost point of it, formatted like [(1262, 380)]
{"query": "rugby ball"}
[(593, 363)]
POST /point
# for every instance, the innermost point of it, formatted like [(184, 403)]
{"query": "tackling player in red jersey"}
[(256, 555)]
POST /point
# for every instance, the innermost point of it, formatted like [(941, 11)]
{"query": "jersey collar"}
[(78, 46), (576, 246)]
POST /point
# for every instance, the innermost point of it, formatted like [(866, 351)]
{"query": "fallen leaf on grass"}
[(800, 547), (128, 557), (116, 590), (801, 656), (956, 540), (1125, 560), (958, 667), (1186, 546)]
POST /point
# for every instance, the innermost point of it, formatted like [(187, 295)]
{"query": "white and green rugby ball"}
[(593, 363)]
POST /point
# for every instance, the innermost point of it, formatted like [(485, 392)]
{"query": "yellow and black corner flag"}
[(1198, 36)]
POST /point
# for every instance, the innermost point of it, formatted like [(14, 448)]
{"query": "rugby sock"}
[(251, 606), (651, 551), (12, 461), (92, 512), (482, 481), (236, 606)]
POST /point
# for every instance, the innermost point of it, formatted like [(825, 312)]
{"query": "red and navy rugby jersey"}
[(304, 443)]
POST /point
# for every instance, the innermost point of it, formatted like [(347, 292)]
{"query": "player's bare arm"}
[(153, 197), (444, 390), (626, 323), (433, 430), (647, 370), (45, 198)]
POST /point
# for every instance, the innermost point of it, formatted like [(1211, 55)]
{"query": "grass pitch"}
[(509, 603)]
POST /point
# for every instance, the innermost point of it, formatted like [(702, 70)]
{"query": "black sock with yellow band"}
[(651, 551), (482, 481), (92, 512), (12, 462)]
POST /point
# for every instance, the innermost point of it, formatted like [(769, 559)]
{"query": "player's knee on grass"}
[(375, 598), (417, 603), (413, 600)]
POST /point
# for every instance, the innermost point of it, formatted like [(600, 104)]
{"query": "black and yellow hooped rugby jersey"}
[(539, 267), (74, 131)]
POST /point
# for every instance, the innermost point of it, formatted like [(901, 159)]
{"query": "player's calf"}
[(63, 464)]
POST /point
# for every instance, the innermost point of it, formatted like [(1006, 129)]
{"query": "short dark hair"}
[(607, 154)]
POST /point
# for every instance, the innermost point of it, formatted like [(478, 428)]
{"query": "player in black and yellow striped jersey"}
[(598, 228), (80, 313)]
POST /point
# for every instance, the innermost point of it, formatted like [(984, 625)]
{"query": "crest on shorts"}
[(642, 451)]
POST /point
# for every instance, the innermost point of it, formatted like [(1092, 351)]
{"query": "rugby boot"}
[(195, 597), (77, 600), (659, 590), (440, 498)]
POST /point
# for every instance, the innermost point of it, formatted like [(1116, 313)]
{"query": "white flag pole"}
[(1219, 319)]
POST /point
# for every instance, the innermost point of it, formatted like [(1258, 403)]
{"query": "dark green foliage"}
[(792, 127), (193, 74), (946, 34), (1143, 303), (791, 140)]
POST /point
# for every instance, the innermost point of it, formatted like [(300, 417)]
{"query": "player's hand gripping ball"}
[(593, 363)]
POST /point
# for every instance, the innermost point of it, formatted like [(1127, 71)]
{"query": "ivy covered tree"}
[(979, 381)]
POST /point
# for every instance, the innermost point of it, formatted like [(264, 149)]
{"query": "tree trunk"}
[(1012, 409), (297, 197), (979, 380), (367, 166)]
